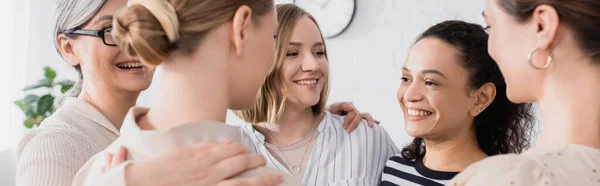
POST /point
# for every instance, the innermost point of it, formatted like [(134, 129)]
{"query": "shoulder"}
[(54, 143), (508, 169)]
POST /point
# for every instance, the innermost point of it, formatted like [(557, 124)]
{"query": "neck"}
[(454, 154), (296, 123), (192, 89), (113, 104), (570, 106)]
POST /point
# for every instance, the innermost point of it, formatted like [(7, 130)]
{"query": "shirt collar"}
[(87, 110)]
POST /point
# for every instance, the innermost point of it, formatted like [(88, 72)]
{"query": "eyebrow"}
[(300, 44), (428, 72), (103, 18)]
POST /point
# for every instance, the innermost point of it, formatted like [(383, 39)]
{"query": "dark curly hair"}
[(504, 127)]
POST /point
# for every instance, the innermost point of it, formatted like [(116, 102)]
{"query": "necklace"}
[(296, 168)]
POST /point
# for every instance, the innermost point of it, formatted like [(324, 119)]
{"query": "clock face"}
[(333, 16)]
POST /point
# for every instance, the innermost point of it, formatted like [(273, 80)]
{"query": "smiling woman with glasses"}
[(89, 120), (104, 33)]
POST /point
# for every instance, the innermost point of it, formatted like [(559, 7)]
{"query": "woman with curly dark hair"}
[(453, 97)]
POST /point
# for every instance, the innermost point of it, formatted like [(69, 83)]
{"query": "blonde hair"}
[(272, 96), (153, 29)]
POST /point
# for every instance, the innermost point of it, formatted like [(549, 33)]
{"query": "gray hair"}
[(70, 14)]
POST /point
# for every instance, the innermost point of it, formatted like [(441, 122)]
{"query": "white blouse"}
[(147, 144), (338, 158)]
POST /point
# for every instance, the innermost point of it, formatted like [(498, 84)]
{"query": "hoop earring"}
[(530, 60)]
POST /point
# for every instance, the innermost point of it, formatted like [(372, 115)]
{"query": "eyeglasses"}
[(104, 33)]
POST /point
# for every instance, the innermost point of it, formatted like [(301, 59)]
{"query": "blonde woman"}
[(205, 48), (290, 126)]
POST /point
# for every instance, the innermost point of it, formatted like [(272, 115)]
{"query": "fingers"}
[(377, 122), (119, 157), (355, 123), (349, 122), (348, 107), (235, 165), (336, 108), (222, 151), (268, 180), (369, 119), (107, 163)]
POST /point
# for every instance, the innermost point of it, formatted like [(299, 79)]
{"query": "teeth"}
[(306, 82), (130, 65), (418, 112)]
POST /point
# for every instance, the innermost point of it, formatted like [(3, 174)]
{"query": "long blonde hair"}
[(153, 29), (272, 96)]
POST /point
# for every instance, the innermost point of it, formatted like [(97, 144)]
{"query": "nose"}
[(413, 93), (310, 64)]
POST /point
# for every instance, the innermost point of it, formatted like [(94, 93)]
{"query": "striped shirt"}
[(399, 171), (338, 158)]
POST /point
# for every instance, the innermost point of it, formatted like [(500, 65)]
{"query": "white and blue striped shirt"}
[(338, 158)]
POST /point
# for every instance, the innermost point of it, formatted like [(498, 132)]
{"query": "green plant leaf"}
[(30, 99), (65, 85), (29, 123), (40, 83), (21, 105), (29, 112), (45, 104), (49, 73)]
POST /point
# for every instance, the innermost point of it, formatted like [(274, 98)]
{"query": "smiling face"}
[(434, 94), (106, 67), (304, 70)]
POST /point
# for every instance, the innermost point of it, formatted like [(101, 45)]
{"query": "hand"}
[(113, 160), (353, 116), (207, 163)]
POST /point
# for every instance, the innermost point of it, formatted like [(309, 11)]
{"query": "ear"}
[(484, 97), (242, 20), (546, 21), (66, 48)]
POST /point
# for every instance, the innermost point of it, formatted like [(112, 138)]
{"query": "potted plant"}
[(37, 108)]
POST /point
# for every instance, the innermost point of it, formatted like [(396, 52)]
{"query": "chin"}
[(136, 86), (518, 96)]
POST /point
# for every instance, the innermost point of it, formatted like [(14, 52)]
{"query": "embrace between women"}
[(465, 95)]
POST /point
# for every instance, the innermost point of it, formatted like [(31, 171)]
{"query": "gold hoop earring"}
[(530, 60)]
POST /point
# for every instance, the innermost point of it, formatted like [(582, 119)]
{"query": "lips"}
[(130, 65), (307, 82), (414, 112)]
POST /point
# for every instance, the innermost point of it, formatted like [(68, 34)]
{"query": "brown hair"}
[(272, 95), (152, 29), (581, 16)]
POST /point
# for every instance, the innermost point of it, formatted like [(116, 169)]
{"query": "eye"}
[(405, 79), (291, 54), (430, 83), (319, 53)]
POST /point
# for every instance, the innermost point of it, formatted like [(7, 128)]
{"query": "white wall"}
[(365, 60)]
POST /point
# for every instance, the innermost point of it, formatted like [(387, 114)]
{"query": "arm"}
[(48, 158), (199, 164), (353, 116)]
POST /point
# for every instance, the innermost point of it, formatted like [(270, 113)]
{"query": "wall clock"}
[(333, 16)]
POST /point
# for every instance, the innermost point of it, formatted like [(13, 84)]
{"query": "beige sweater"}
[(51, 154), (566, 165), (142, 144)]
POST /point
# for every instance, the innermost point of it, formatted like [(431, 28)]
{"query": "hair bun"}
[(146, 29)]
